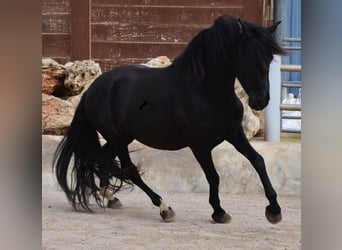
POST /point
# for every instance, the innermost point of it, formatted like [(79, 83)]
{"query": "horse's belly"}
[(155, 125), (166, 140)]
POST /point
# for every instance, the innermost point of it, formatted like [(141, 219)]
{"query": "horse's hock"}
[(63, 86)]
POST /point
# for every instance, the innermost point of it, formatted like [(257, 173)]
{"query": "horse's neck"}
[(220, 82)]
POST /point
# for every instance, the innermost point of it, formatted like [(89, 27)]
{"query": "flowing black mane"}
[(209, 46), (212, 45)]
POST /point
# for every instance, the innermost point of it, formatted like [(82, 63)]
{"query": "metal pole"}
[(272, 111), (278, 16)]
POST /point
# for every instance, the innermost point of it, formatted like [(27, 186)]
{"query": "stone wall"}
[(178, 171)]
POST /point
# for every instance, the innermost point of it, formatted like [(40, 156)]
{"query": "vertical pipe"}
[(272, 111), (278, 9)]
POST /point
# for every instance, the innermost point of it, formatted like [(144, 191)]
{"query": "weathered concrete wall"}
[(178, 171)]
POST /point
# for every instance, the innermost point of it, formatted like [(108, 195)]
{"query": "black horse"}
[(191, 103)]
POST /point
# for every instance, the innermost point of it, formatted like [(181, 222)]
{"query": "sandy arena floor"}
[(138, 225)]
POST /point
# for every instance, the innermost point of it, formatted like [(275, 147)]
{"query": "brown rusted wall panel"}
[(109, 64), (56, 6), (172, 2), (56, 29), (144, 32), (80, 30), (147, 29), (56, 45), (167, 15), (253, 11), (114, 54), (56, 23), (122, 50), (117, 32)]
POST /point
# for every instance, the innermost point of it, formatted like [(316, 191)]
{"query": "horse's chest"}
[(209, 132), (213, 125)]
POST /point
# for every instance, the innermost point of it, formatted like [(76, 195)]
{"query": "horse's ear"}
[(240, 25), (272, 28), (243, 27)]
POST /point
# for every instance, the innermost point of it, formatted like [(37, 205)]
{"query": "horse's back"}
[(134, 100)]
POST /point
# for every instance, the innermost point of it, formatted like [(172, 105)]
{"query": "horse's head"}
[(252, 54)]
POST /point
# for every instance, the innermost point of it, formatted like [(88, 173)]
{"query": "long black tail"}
[(79, 179)]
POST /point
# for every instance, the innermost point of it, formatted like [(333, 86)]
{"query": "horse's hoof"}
[(114, 204), (271, 216), (168, 215), (223, 218)]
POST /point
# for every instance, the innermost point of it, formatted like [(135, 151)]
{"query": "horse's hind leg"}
[(131, 172), (240, 142), (105, 191), (113, 202)]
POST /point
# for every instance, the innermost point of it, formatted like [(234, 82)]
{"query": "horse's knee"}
[(259, 164), (213, 178)]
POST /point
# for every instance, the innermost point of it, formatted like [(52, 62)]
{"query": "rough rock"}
[(62, 88), (56, 115), (53, 75), (158, 62), (250, 122), (49, 62), (260, 114), (80, 74)]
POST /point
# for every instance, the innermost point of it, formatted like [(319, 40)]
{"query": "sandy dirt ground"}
[(137, 225)]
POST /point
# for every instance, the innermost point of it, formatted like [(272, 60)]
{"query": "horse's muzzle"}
[(258, 103)]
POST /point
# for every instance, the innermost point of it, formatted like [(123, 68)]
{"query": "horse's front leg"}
[(204, 158), (241, 143)]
